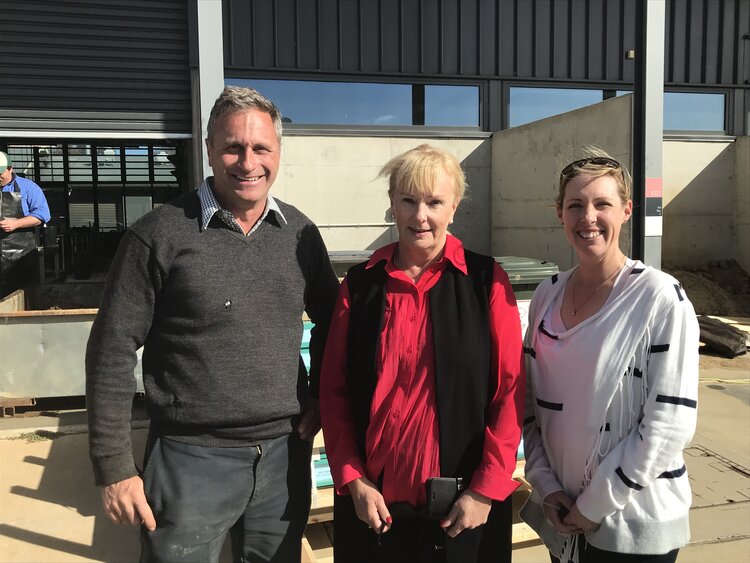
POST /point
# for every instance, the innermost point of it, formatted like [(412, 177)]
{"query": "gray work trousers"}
[(260, 495)]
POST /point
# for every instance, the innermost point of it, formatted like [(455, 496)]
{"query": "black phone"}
[(442, 492)]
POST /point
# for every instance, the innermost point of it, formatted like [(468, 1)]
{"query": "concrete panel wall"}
[(526, 163), (742, 205), (513, 185), (700, 196), (333, 180), (49, 349), (12, 302)]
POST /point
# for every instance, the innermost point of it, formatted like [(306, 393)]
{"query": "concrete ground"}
[(50, 510)]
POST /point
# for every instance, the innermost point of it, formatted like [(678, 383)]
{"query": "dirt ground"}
[(711, 361), (720, 288)]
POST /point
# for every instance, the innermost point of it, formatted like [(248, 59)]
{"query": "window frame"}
[(67, 181), (494, 101), (699, 133), (377, 130), (603, 89), (609, 88)]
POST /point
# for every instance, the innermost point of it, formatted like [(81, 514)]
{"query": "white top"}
[(611, 404)]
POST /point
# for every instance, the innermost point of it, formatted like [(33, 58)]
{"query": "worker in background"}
[(22, 208)]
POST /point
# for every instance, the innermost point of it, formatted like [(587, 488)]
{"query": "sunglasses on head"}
[(595, 160)]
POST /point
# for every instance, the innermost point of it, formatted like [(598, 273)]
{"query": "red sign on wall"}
[(654, 187)]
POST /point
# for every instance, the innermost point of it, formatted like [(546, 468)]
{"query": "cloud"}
[(385, 119)]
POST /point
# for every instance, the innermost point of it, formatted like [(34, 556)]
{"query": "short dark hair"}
[(239, 98)]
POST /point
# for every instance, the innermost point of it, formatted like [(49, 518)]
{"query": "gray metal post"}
[(648, 131), (207, 62)]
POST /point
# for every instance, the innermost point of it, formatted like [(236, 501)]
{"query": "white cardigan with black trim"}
[(611, 404)]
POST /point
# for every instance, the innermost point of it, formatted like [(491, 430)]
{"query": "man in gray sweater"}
[(213, 286)]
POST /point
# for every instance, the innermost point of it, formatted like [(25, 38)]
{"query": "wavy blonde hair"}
[(418, 170)]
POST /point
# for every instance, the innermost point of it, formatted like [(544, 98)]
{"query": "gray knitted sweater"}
[(219, 317)]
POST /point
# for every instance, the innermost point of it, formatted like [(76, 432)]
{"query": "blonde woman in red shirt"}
[(422, 386)]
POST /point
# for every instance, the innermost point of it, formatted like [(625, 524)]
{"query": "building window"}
[(369, 103), (108, 187), (692, 111), (96, 191), (453, 106), (683, 111), (688, 111), (533, 104)]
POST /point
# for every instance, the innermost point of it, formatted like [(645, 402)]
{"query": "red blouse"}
[(402, 440)]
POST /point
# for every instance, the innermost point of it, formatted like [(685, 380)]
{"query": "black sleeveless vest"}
[(459, 308)]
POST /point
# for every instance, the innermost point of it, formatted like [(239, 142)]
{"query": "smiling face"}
[(244, 153), (593, 213), (422, 218)]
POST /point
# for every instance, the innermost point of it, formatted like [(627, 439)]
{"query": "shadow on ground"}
[(67, 481)]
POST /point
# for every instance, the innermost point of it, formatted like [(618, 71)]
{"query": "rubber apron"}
[(16, 248)]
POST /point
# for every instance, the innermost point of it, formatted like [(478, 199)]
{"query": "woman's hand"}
[(469, 511), (556, 507), (369, 505), (575, 518)]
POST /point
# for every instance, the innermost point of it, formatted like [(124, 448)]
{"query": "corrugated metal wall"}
[(705, 42), (110, 66), (575, 40)]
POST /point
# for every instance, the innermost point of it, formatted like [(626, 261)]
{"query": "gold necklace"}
[(601, 285)]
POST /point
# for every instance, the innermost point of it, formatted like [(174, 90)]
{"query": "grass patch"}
[(31, 437)]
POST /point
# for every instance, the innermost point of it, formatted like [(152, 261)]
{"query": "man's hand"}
[(125, 503), (370, 505), (556, 507), (309, 424), (575, 518), (8, 225), (469, 511)]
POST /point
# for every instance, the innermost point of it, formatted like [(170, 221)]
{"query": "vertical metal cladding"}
[(577, 40), (95, 65), (705, 42)]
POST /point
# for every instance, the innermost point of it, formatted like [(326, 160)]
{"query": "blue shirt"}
[(33, 201)]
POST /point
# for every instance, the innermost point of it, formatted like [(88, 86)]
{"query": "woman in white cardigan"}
[(612, 361)]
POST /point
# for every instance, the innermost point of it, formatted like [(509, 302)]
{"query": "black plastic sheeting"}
[(722, 338)]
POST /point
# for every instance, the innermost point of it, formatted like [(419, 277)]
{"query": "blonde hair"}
[(596, 163), (417, 171)]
